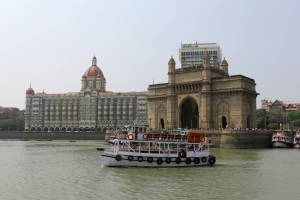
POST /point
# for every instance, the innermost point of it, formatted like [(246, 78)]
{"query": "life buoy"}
[(188, 161), (130, 158), (130, 137), (196, 161), (168, 160), (212, 160), (178, 160), (150, 159), (140, 159), (276, 139), (204, 159), (159, 161), (203, 139), (118, 158), (145, 136)]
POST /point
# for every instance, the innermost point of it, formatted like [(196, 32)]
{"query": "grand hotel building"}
[(91, 109)]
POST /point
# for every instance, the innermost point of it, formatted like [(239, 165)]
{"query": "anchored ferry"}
[(139, 146)]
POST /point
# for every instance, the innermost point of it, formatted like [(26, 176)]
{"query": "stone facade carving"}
[(202, 97)]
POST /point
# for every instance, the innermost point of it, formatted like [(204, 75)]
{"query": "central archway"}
[(189, 117)]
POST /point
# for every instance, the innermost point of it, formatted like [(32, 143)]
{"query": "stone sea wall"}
[(237, 139), (53, 135)]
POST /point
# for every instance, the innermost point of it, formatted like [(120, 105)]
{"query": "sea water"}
[(73, 170)]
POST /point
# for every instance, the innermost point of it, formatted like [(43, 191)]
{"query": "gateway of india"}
[(202, 94), (91, 109)]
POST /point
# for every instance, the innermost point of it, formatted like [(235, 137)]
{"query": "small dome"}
[(98, 75), (30, 91), (171, 61), (84, 76), (224, 62)]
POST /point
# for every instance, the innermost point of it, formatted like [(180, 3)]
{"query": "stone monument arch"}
[(161, 117), (189, 112), (202, 96), (223, 116)]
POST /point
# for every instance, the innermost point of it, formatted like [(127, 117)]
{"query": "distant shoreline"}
[(5, 135)]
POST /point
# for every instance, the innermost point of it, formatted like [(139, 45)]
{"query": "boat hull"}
[(281, 144), (297, 146), (110, 160)]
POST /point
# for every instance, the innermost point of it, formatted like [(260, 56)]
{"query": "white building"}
[(91, 109), (191, 54)]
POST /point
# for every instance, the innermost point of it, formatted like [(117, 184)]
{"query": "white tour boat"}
[(297, 140), (282, 139), (141, 147)]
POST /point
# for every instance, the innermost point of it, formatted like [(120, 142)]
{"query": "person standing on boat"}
[(179, 151)]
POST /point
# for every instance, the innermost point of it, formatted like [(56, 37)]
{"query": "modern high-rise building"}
[(191, 54), (91, 109)]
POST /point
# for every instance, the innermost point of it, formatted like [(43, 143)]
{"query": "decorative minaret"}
[(94, 61), (224, 66), (171, 96), (206, 66), (171, 70), (206, 94)]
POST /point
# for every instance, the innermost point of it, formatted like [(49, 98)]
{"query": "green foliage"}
[(273, 126), (262, 117), (275, 116), (294, 119), (15, 124)]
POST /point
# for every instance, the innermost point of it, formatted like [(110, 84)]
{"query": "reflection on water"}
[(64, 170)]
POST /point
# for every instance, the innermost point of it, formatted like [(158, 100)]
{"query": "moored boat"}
[(297, 140), (141, 147), (281, 138)]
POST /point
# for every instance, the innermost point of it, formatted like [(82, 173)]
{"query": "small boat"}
[(142, 147), (283, 139), (297, 140)]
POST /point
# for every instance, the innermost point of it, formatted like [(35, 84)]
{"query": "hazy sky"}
[(51, 43)]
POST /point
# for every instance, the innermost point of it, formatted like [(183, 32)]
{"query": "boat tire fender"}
[(188, 161), (178, 160), (130, 158), (130, 137), (204, 159), (168, 160), (118, 158), (140, 159), (159, 161), (212, 160), (150, 159), (196, 161)]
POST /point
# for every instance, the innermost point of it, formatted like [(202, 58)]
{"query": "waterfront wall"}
[(233, 139), (239, 139), (53, 135)]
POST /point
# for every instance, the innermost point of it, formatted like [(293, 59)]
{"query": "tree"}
[(14, 124), (294, 118), (275, 116), (273, 126), (262, 118)]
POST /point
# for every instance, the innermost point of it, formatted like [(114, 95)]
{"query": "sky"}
[(50, 44)]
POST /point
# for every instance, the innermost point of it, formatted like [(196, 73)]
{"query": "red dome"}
[(93, 71), (30, 91)]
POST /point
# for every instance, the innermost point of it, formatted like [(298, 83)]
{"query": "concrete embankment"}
[(239, 139), (53, 135), (231, 139)]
